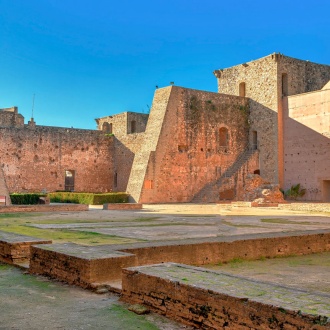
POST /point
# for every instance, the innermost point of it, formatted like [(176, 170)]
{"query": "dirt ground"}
[(34, 302), (30, 302)]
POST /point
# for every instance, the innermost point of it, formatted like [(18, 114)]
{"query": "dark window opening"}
[(223, 137), (326, 191), (115, 180), (254, 140), (256, 172), (284, 84), (69, 180), (242, 89), (133, 126), (182, 148)]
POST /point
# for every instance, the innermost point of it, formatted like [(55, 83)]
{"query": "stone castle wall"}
[(124, 123), (35, 159), (9, 117), (126, 147), (264, 82), (189, 153), (306, 142), (178, 153), (260, 79), (128, 130)]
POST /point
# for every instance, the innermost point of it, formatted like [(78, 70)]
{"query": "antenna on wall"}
[(31, 122), (34, 95)]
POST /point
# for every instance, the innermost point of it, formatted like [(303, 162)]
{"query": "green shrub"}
[(295, 191), (25, 199), (88, 198)]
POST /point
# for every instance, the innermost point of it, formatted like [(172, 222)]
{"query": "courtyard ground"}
[(29, 302)]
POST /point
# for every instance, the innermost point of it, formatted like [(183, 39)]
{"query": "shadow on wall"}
[(262, 124), (123, 164), (306, 154)]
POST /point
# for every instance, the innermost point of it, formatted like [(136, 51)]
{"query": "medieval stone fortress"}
[(270, 117), (205, 155)]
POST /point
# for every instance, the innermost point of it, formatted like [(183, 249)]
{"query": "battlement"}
[(9, 117), (123, 123)]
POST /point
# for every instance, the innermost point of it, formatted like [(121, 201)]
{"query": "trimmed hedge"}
[(88, 198), (25, 199)]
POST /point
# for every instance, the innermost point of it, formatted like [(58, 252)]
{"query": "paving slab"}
[(240, 287), (208, 299)]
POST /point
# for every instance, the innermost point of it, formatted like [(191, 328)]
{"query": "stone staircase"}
[(210, 192), (3, 187)]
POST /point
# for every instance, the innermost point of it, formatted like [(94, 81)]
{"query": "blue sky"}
[(89, 59)]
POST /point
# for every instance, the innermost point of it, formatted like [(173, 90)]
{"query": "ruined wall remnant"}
[(185, 147), (195, 146), (35, 159)]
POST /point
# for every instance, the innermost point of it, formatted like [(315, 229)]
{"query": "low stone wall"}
[(16, 248), (196, 252), (43, 208), (303, 206), (211, 300), (122, 206), (84, 265)]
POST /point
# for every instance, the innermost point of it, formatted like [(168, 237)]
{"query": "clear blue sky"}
[(88, 59)]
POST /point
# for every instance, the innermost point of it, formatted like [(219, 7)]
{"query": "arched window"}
[(223, 137), (242, 89)]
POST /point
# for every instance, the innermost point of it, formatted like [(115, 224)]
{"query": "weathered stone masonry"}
[(194, 146), (36, 158)]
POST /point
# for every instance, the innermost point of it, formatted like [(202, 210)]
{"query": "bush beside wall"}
[(88, 198), (25, 199)]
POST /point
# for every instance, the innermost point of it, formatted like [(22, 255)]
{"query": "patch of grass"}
[(227, 223), (253, 292), (235, 262), (3, 266), (66, 235), (18, 215), (143, 219), (130, 319), (196, 216), (286, 221)]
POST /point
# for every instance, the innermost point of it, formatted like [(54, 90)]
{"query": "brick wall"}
[(185, 151), (260, 78), (206, 306), (35, 159), (266, 80)]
